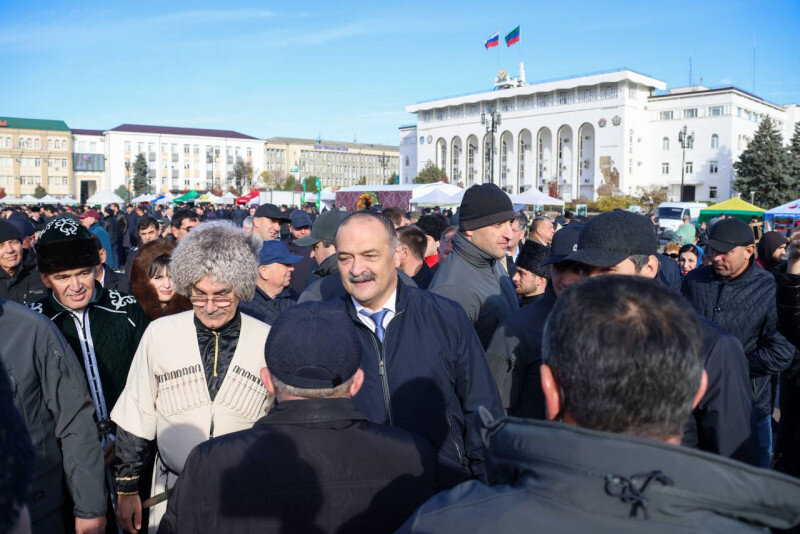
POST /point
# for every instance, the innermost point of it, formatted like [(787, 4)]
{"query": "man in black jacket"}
[(608, 461), (323, 251), (621, 242), (424, 368), (740, 297), (515, 351), (300, 227), (273, 294), (314, 463), (18, 282)]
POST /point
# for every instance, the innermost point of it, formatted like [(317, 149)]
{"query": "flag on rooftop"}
[(494, 40), (512, 37)]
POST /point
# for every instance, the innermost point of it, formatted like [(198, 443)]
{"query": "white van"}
[(670, 214)]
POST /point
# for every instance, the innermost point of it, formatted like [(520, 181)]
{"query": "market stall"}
[(735, 207)]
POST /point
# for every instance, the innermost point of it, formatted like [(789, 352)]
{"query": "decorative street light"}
[(687, 141), (491, 128)]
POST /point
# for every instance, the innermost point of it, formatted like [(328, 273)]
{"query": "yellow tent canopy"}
[(733, 206)]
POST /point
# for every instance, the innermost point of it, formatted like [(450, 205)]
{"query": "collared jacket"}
[(720, 423), (551, 477), (478, 282), (24, 287), (268, 309), (314, 290), (428, 376), (108, 331), (309, 466), (51, 395), (745, 307)]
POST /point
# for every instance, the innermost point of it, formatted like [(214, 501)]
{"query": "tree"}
[(39, 192), (289, 184), (2, 192), (141, 176), (123, 193), (393, 179), (794, 156), (311, 184), (650, 197), (362, 181), (430, 174), (242, 174), (764, 168)]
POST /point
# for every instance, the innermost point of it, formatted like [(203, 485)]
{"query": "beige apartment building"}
[(35, 152), (336, 163)]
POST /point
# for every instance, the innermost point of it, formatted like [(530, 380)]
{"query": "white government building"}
[(570, 136)]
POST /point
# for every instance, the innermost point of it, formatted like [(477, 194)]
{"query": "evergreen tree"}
[(794, 157), (39, 192), (141, 176), (763, 168), (123, 193), (430, 174)]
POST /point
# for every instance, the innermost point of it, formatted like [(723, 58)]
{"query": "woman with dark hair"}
[(688, 258), (151, 281)]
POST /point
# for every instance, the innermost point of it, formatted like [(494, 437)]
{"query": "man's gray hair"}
[(221, 250)]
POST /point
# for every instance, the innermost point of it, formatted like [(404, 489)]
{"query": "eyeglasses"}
[(673, 256), (202, 300)]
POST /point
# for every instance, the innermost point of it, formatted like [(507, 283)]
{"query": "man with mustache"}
[(102, 326), (424, 368), (195, 374)]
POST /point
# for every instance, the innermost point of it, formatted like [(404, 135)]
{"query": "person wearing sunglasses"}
[(195, 373)]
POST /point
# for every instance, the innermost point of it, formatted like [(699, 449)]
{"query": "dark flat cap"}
[(612, 237), (313, 345), (271, 211)]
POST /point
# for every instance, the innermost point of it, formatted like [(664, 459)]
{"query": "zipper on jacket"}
[(455, 442), (380, 352)]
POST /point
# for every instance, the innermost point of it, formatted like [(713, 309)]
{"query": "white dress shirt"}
[(390, 305)]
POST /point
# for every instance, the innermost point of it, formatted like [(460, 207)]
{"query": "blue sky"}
[(350, 68)]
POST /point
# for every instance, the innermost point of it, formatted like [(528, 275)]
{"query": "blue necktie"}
[(377, 318)]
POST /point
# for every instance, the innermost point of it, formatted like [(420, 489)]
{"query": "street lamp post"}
[(686, 140), (491, 123)]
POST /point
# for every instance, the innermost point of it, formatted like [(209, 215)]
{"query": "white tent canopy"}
[(48, 199), (8, 199), (438, 197), (28, 199), (535, 197), (104, 197), (67, 200), (227, 198), (143, 198)]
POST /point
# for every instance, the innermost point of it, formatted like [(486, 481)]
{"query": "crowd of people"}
[(193, 369)]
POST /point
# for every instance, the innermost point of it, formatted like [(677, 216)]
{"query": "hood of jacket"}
[(605, 473)]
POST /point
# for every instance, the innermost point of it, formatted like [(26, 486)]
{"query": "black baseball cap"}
[(730, 233), (326, 359), (564, 243), (613, 237), (323, 229), (271, 211)]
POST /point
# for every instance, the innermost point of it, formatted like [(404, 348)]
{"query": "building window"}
[(716, 111), (714, 167), (689, 169), (665, 144), (186, 149), (712, 192), (665, 168), (406, 161), (714, 141), (665, 115), (690, 113)]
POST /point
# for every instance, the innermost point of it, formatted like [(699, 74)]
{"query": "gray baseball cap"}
[(324, 228)]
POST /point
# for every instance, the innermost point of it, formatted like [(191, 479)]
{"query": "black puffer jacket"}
[(787, 448), (745, 307), (551, 477)]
